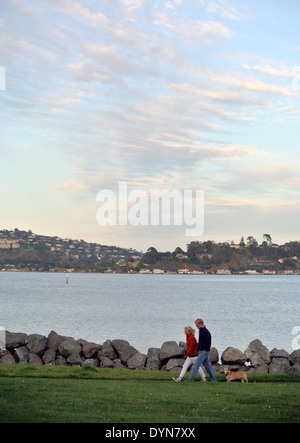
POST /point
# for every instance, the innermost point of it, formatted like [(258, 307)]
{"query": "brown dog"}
[(239, 375)]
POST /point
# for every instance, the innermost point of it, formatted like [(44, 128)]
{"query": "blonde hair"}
[(190, 329)]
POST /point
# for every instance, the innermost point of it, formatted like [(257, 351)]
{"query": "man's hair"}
[(199, 320)]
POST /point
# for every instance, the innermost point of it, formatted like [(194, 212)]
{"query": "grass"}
[(72, 394)]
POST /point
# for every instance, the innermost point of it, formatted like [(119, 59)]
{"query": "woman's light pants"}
[(188, 362)]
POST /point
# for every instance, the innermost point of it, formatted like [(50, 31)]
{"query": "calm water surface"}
[(147, 310)]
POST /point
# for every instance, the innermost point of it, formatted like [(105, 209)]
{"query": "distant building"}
[(7, 244)]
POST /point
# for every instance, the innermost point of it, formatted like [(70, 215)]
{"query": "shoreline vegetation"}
[(28, 252)]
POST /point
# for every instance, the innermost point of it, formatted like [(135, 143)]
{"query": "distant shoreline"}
[(24, 271)]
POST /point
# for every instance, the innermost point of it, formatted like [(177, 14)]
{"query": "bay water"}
[(148, 310)]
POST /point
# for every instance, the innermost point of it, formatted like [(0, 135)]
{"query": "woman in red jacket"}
[(191, 354)]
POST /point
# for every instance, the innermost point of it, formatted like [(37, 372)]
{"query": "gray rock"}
[(295, 357), (279, 353), (6, 358), (174, 363), (60, 361), (124, 350), (89, 348), (34, 359), (137, 361), (233, 356), (49, 356), (15, 339), (36, 344), (263, 369), (69, 347), (107, 350), (170, 349), (118, 364), (214, 355), (295, 369), (107, 363), (257, 354), (54, 340), (74, 360), (153, 360), (183, 344), (279, 366), (22, 354)]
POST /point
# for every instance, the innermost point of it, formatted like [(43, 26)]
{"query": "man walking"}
[(204, 344)]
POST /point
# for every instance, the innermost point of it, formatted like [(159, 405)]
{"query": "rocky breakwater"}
[(59, 350)]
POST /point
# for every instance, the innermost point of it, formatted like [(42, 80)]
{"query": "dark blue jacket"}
[(204, 342)]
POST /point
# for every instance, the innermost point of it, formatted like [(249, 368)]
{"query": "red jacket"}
[(191, 344)]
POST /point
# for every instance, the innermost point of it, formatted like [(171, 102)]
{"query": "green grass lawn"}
[(69, 394)]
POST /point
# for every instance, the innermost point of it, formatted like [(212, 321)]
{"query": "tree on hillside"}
[(151, 256), (251, 241), (268, 239), (242, 242), (178, 250)]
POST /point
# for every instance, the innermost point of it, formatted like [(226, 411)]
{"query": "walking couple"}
[(197, 353)]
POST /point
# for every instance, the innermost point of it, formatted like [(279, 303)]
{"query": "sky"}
[(158, 94)]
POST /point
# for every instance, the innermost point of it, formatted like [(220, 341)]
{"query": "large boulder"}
[(22, 354), (60, 361), (54, 340), (36, 344), (106, 362), (295, 369), (15, 339), (49, 356), (124, 350), (279, 366), (89, 348), (170, 349), (279, 353), (74, 360), (6, 358), (233, 356), (137, 361), (68, 347), (34, 359), (263, 369), (295, 357), (107, 350), (214, 355), (257, 354), (174, 364), (153, 360)]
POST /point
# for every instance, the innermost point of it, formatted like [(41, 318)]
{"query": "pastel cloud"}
[(159, 93)]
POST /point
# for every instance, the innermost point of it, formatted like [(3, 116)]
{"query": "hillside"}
[(226, 258), (24, 250)]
